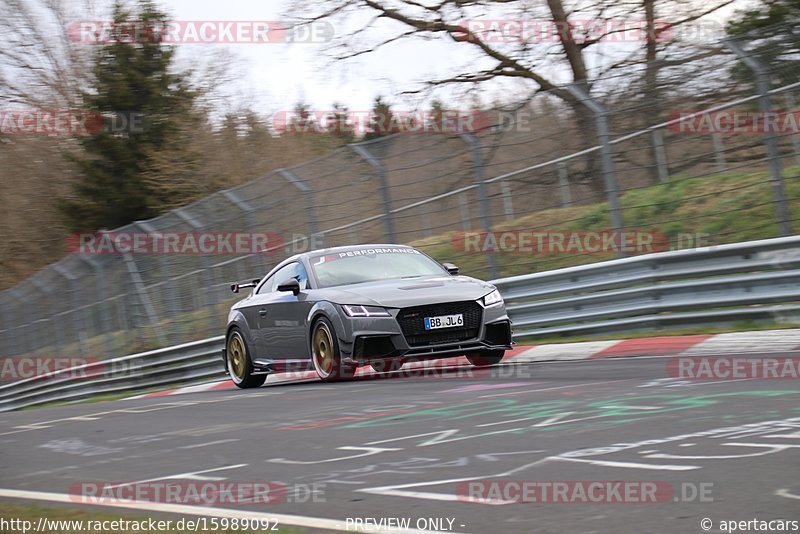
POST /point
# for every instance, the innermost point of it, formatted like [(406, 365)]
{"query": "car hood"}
[(408, 292)]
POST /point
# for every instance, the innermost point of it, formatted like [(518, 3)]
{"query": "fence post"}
[(790, 106), (563, 183), (23, 310), (210, 291), (103, 293), (261, 266), (125, 318), (508, 205), (78, 326), (426, 220), (138, 287), (6, 349), (719, 152), (380, 169), (483, 201), (609, 174), (463, 208), (660, 155), (773, 155), (10, 346), (167, 278), (47, 294), (296, 181)]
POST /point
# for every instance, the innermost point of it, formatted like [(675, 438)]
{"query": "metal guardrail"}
[(188, 362), (707, 286), (713, 285)]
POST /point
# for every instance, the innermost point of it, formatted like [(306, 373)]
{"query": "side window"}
[(302, 276), (266, 287), (293, 270)]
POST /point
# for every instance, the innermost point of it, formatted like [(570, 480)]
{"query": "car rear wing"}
[(236, 286)]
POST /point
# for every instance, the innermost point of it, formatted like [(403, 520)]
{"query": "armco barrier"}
[(710, 286), (193, 361), (706, 286)]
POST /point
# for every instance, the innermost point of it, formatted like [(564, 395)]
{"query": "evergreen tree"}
[(436, 121), (301, 120), (381, 122), (339, 124), (131, 79), (767, 13), (770, 31)]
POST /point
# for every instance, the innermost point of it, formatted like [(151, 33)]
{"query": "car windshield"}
[(371, 264)]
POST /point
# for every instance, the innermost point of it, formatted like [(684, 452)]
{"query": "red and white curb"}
[(766, 341)]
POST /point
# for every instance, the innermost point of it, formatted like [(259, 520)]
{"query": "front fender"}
[(333, 313)]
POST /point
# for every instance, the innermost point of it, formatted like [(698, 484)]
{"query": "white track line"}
[(551, 389), (786, 493), (197, 446), (629, 465), (281, 519), (190, 476)]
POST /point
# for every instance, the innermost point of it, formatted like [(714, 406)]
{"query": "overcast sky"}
[(274, 77)]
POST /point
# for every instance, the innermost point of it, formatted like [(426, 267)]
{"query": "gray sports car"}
[(336, 309)]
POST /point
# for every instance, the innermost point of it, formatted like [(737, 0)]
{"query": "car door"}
[(285, 329), (255, 315)]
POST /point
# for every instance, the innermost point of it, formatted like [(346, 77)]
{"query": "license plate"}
[(444, 321)]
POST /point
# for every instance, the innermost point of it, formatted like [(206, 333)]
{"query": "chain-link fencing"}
[(700, 149)]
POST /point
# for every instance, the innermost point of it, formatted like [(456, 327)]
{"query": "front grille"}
[(435, 337), (412, 323)]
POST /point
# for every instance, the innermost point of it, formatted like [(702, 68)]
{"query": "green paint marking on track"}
[(626, 408)]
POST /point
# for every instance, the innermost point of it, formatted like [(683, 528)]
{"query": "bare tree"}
[(532, 42), (41, 62)]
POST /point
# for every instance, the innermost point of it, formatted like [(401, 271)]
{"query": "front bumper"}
[(371, 339)]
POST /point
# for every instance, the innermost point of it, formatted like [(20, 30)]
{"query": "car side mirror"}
[(451, 268), (290, 285)]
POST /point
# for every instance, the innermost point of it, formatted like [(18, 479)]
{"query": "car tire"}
[(239, 365), (486, 358), (325, 353), (386, 366)]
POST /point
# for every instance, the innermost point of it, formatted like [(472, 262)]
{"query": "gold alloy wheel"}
[(323, 349), (237, 359)]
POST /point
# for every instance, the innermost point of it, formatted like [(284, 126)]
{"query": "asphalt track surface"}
[(406, 447)]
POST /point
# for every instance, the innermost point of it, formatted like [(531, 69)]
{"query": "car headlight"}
[(365, 311), (492, 299)]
